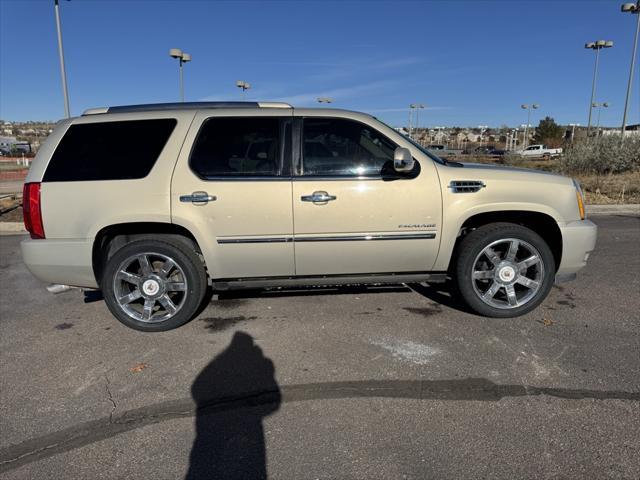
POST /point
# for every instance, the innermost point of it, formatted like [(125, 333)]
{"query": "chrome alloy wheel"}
[(507, 273), (150, 287)]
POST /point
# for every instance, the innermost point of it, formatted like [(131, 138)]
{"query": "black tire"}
[(470, 249), (190, 271)]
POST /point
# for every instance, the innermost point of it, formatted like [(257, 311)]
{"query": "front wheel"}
[(154, 285), (504, 270)]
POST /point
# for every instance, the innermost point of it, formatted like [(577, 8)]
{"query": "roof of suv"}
[(155, 107)]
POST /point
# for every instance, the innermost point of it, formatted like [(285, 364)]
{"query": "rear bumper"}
[(68, 262), (578, 241)]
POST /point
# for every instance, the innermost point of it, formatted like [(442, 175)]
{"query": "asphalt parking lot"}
[(389, 382)]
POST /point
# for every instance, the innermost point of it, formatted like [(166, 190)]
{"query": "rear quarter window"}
[(109, 150)]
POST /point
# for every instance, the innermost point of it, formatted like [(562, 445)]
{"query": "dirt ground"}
[(14, 215)]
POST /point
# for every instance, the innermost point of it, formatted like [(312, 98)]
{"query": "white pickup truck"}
[(540, 151)]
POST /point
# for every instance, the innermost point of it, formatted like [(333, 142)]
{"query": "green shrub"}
[(603, 155)]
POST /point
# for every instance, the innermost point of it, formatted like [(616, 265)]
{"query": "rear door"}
[(352, 213), (232, 189)]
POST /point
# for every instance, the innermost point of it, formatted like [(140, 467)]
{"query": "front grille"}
[(466, 186)]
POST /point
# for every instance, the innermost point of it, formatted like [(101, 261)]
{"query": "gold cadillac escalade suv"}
[(158, 204)]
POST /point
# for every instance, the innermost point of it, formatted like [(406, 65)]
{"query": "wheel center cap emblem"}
[(507, 274), (150, 287)]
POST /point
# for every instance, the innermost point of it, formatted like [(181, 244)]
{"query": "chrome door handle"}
[(318, 197), (198, 198)]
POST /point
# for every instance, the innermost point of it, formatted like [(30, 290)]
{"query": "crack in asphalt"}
[(107, 387), (469, 389)]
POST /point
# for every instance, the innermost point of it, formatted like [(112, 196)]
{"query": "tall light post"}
[(417, 107), (597, 46), (524, 129), (244, 86), (510, 136), (526, 106), (633, 9), (63, 73), (573, 130), (325, 100), (183, 58), (599, 106), (483, 128)]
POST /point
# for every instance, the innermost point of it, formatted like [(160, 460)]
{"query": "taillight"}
[(31, 210)]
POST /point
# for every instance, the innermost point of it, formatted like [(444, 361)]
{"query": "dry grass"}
[(611, 188)]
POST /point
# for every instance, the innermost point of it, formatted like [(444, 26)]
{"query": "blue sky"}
[(470, 62)]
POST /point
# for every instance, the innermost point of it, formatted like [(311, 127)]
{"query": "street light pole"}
[(634, 9), (244, 86), (63, 73), (573, 130), (528, 107), (483, 128), (417, 107), (183, 58), (597, 46), (599, 106)]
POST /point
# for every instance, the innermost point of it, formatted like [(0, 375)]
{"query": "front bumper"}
[(578, 241), (68, 262)]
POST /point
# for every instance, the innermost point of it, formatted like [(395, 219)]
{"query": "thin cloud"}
[(337, 94), (275, 94), (399, 109)]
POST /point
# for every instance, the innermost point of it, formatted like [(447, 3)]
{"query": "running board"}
[(328, 280)]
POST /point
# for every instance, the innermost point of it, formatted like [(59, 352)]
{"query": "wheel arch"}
[(112, 237), (541, 223)]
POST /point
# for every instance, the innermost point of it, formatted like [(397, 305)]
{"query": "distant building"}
[(630, 130)]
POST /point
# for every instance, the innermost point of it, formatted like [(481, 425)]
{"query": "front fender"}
[(456, 217)]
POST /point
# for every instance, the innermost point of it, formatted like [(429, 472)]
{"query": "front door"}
[(352, 213), (233, 191)]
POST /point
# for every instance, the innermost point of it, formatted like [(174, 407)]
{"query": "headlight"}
[(580, 199)]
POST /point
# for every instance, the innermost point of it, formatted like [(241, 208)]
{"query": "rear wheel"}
[(504, 270), (154, 285)]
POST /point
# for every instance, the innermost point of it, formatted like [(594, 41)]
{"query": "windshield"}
[(428, 153)]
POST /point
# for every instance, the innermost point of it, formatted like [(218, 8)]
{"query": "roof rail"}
[(154, 107)]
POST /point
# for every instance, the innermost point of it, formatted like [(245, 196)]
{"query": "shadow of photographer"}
[(230, 441)]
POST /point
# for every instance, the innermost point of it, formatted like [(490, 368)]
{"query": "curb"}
[(631, 208), (12, 228)]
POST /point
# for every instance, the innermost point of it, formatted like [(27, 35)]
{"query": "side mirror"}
[(402, 160)]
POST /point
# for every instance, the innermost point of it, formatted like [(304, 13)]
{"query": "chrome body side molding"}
[(328, 238)]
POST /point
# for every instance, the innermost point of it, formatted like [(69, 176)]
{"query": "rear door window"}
[(238, 147), (109, 150)]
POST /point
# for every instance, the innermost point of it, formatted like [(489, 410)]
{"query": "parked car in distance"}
[(540, 151), (489, 150), (157, 205), (443, 151)]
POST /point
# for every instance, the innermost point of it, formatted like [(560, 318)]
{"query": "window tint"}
[(109, 150), (338, 147), (237, 146)]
